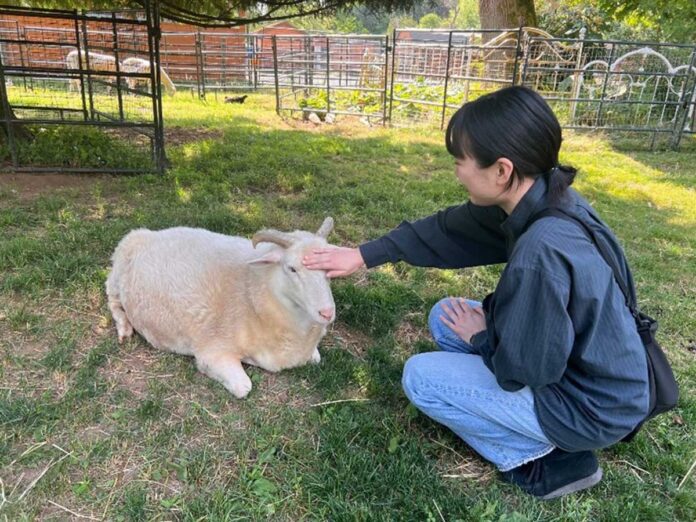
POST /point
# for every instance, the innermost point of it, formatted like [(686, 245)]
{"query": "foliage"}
[(364, 19), (464, 15), (430, 21), (374, 22), (399, 22), (669, 20), (566, 19), (77, 147), (318, 100), (660, 20), (344, 21), (407, 106), (221, 13)]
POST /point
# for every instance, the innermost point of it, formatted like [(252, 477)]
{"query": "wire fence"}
[(635, 88), (204, 62), (617, 86), (331, 75), (435, 72), (80, 92), (409, 77)]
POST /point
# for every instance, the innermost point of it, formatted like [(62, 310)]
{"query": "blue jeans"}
[(455, 388)]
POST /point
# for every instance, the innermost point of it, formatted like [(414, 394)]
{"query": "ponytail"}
[(558, 179)]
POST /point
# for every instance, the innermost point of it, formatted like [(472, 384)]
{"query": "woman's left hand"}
[(463, 319)]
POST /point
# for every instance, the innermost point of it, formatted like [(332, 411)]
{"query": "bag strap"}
[(601, 247)]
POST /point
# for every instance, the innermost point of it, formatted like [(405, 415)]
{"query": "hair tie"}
[(551, 171)]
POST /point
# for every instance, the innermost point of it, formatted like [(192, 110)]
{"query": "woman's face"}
[(483, 184)]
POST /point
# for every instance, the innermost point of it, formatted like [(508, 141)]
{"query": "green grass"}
[(66, 146), (129, 433)]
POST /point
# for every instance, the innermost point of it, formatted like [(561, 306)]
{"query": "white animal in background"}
[(139, 65), (97, 62), (225, 300)]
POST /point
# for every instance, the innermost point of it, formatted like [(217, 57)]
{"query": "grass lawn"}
[(89, 428)]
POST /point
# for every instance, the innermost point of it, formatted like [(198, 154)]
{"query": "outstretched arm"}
[(457, 237)]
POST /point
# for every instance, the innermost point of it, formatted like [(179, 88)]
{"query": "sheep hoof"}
[(124, 333), (239, 389)]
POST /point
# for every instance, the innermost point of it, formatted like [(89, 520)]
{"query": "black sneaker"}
[(556, 474)]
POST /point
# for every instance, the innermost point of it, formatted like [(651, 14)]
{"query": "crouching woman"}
[(550, 367)]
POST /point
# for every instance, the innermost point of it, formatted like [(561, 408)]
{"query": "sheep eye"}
[(292, 269)]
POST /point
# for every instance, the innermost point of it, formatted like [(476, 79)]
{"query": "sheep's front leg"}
[(226, 369)]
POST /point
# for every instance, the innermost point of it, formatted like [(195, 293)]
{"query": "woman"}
[(551, 367)]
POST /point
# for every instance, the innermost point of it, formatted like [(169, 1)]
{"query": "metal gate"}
[(337, 74), (83, 81), (617, 86)]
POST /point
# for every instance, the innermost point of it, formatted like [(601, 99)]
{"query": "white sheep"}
[(138, 65), (97, 62), (222, 299)]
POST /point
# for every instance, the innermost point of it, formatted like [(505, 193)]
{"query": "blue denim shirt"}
[(557, 321)]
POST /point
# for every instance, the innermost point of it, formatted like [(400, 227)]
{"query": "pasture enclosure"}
[(423, 76), (82, 81), (83, 91)]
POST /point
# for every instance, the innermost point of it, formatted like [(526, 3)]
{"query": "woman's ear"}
[(505, 170)]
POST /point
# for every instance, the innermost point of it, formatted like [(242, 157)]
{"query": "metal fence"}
[(204, 62), (435, 72), (332, 75), (423, 76), (81, 81), (411, 76), (617, 86)]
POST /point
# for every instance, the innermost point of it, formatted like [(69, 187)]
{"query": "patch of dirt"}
[(27, 348), (182, 135), (28, 186), (132, 368), (356, 343), (407, 334)]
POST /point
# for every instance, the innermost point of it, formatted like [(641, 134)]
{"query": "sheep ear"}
[(272, 236), (326, 227), (270, 257)]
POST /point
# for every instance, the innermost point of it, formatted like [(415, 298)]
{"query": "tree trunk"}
[(503, 14), (19, 132), (506, 14)]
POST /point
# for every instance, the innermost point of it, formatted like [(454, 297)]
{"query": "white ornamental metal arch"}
[(643, 87)]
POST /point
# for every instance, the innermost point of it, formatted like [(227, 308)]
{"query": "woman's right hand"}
[(337, 261)]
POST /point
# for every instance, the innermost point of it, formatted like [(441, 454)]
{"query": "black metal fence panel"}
[(630, 87), (327, 75), (87, 78), (435, 72), (422, 76), (106, 71), (205, 61)]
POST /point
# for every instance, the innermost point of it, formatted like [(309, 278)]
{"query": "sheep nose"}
[(327, 313)]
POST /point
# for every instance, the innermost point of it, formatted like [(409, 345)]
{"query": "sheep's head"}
[(307, 289)]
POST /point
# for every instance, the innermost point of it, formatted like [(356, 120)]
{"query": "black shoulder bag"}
[(664, 391)]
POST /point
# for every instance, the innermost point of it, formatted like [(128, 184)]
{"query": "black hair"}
[(514, 123)]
